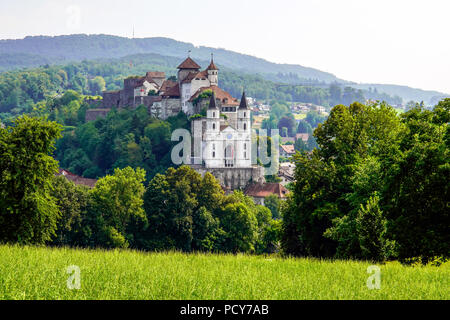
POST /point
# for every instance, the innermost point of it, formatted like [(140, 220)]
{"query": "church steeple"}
[(212, 103), (213, 72), (243, 105)]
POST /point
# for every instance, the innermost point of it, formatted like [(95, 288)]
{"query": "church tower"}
[(213, 115), (213, 73), (244, 128), (243, 115), (212, 152)]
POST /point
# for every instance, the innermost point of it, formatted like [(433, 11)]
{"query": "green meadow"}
[(41, 273)]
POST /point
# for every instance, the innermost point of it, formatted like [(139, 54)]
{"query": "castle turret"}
[(186, 67), (213, 73)]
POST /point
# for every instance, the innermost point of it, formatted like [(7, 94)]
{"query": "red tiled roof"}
[(222, 95), (288, 148), (173, 91), (167, 84), (265, 189), (212, 66), (193, 75), (77, 179), (188, 64)]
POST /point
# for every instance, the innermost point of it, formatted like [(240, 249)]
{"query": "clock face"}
[(229, 136)]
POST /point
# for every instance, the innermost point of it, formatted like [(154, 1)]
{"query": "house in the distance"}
[(287, 150), (76, 179), (259, 191)]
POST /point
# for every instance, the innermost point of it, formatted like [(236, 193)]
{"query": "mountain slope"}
[(86, 47), (42, 50)]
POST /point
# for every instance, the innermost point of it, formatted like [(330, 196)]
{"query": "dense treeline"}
[(376, 188), (178, 210)]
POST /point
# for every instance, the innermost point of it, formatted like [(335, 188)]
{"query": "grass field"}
[(41, 273)]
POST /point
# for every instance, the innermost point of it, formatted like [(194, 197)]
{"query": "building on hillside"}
[(76, 179), (165, 98), (286, 172), (223, 144), (285, 140), (287, 150), (259, 191), (303, 136)]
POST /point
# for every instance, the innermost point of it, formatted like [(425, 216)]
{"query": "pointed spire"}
[(212, 102), (212, 66), (243, 104)]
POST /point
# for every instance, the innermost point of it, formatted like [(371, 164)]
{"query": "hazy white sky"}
[(377, 41)]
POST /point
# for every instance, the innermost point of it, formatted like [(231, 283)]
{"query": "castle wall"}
[(234, 178), (93, 114)]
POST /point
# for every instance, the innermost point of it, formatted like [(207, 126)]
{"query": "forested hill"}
[(80, 47), (44, 50)]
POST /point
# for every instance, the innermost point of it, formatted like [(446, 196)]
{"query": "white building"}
[(225, 142)]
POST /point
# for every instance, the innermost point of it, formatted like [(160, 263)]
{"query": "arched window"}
[(214, 154), (245, 146), (245, 126), (244, 114), (214, 126), (214, 114)]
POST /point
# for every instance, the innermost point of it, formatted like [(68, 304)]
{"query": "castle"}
[(222, 139), (164, 97)]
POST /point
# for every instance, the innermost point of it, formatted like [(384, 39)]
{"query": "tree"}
[(118, 204), (319, 219), (29, 213), (289, 124), (272, 202), (72, 201), (416, 193), (304, 127), (300, 145), (181, 209), (371, 229), (240, 226)]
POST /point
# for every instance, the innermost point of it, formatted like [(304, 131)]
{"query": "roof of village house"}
[(77, 179), (243, 104), (303, 136), (156, 74), (188, 64), (263, 190), (222, 95), (288, 148)]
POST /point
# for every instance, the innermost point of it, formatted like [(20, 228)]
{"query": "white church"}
[(223, 144)]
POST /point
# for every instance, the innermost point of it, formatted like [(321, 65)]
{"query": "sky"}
[(403, 42)]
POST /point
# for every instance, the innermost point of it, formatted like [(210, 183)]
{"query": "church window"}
[(214, 154), (245, 126), (245, 146), (214, 126), (245, 155), (244, 115)]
